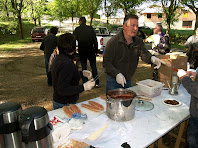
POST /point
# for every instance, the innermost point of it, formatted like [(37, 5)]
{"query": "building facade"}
[(186, 18)]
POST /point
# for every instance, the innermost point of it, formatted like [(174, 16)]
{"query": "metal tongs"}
[(97, 77)]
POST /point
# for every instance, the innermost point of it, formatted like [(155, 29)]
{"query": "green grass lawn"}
[(10, 41)]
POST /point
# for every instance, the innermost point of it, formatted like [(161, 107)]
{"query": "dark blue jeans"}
[(192, 133), (92, 60), (49, 77), (57, 105), (112, 84)]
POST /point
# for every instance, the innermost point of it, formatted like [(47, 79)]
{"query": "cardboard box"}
[(173, 61)]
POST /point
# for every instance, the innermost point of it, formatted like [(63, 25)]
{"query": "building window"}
[(148, 15), (187, 24), (160, 15), (185, 15)]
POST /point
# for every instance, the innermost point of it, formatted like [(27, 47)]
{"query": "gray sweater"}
[(122, 58), (192, 88)]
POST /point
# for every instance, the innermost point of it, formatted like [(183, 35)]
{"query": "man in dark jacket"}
[(87, 46), (48, 45), (192, 88), (121, 55)]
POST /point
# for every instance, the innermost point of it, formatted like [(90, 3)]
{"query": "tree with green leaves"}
[(109, 9), (5, 8), (17, 7), (90, 7), (36, 9), (62, 9), (128, 6), (169, 9), (193, 5), (56, 11)]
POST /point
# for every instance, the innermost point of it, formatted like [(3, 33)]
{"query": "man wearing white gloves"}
[(121, 55), (191, 85), (65, 75)]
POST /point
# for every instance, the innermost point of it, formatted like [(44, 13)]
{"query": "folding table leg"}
[(180, 133)]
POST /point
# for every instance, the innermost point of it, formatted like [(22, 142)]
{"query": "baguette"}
[(68, 111), (74, 108), (91, 107), (96, 105)]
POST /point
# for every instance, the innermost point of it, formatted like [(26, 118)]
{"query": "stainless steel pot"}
[(120, 108)]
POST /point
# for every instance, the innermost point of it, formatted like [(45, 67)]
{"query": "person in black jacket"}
[(87, 46), (189, 81), (48, 45), (65, 75)]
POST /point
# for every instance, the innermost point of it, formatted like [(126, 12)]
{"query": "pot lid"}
[(9, 107), (34, 112)]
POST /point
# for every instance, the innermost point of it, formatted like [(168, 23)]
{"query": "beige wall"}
[(189, 16)]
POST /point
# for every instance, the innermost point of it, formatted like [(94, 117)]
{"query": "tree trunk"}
[(168, 26), (20, 25), (34, 22), (196, 23), (125, 12), (72, 22), (6, 9), (91, 19), (39, 21), (107, 22)]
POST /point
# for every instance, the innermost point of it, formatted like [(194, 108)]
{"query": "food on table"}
[(103, 97), (74, 108), (96, 104), (147, 99), (73, 144), (96, 134), (172, 102), (91, 107), (119, 95), (68, 111)]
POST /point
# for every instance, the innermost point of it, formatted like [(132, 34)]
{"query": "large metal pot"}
[(120, 104)]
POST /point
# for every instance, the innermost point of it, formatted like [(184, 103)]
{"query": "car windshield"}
[(101, 31), (38, 30)]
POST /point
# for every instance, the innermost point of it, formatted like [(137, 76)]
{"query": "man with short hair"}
[(48, 45), (87, 47), (121, 55)]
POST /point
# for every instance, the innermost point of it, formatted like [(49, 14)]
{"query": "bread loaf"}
[(68, 111), (74, 108), (96, 105), (91, 107)]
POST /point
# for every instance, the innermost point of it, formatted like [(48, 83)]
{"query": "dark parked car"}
[(38, 33), (144, 27), (140, 33)]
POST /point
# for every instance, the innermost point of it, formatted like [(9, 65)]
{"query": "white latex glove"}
[(89, 85), (157, 62), (120, 79), (87, 73), (181, 73)]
